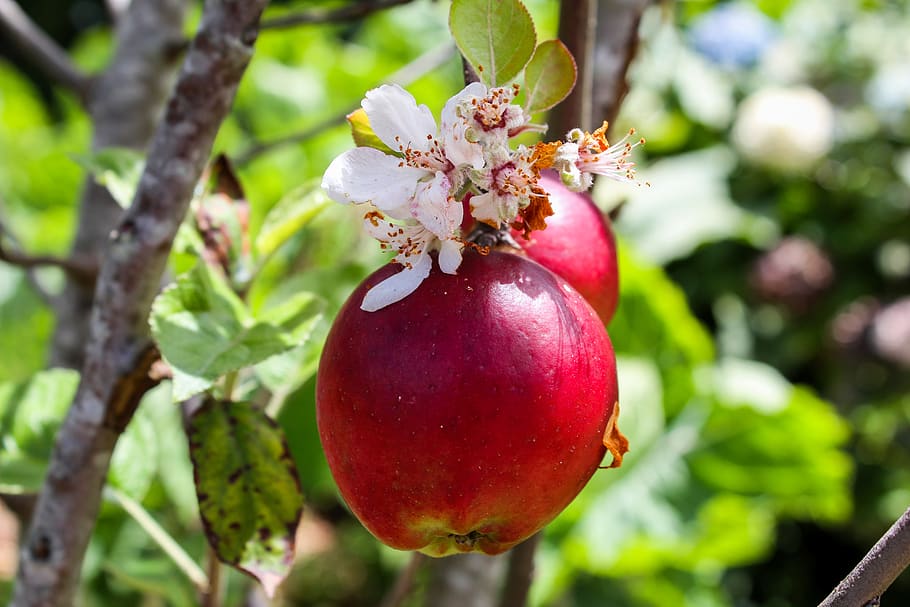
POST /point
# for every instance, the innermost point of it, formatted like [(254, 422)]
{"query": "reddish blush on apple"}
[(578, 244)]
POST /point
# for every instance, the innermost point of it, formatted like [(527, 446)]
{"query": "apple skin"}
[(578, 244), (466, 416)]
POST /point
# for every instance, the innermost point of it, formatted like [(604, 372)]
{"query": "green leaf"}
[(117, 169), (363, 133), (30, 414), (549, 76), (134, 462), (653, 321), (496, 37), (769, 439), (204, 330), (291, 214), (249, 494)]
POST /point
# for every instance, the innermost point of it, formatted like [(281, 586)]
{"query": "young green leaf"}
[(117, 169), (291, 214), (249, 494), (549, 76), (363, 133), (496, 37), (204, 330)]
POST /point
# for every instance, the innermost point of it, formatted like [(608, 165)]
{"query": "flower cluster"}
[(414, 188)]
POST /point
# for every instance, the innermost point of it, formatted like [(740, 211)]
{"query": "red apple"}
[(466, 416), (578, 244)]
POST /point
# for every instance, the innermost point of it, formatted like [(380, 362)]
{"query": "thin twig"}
[(41, 49), (30, 275), (79, 269), (520, 573), (404, 584), (161, 537), (879, 568), (119, 354), (211, 597), (350, 12), (423, 64)]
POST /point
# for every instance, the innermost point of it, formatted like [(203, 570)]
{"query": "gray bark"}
[(119, 353), (465, 580), (124, 102)]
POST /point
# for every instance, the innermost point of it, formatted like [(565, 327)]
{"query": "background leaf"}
[(497, 37), (30, 414), (549, 76), (293, 212), (117, 169), (246, 482)]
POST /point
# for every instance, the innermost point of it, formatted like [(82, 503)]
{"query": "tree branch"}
[(350, 12), (879, 568), (617, 43), (120, 352), (520, 573), (577, 23), (41, 50), (80, 269), (464, 580), (125, 105), (404, 584), (423, 64)]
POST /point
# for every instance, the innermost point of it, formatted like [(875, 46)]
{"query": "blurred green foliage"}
[(770, 442)]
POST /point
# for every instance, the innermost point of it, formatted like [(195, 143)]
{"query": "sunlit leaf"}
[(204, 330), (291, 214), (246, 482), (549, 76), (497, 37), (117, 169)]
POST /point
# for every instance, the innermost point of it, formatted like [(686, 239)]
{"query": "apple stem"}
[(488, 237)]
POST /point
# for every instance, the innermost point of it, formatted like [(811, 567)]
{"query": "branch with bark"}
[(351, 12), (877, 571), (120, 352), (617, 43), (80, 269), (42, 50), (125, 104)]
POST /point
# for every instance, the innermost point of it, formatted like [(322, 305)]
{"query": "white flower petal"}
[(434, 208), (398, 286), (368, 175), (450, 256), (485, 208), (458, 149), (397, 119)]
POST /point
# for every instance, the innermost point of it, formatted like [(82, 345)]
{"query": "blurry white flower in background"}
[(789, 129)]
